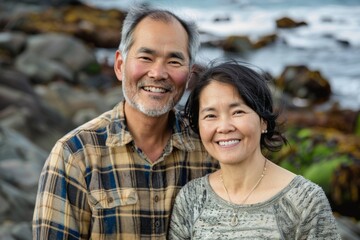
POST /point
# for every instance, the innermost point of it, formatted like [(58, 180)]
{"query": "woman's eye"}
[(209, 116), (239, 112)]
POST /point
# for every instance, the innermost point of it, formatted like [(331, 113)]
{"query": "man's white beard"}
[(156, 112)]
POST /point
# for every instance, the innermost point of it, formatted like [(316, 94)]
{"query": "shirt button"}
[(157, 224), (110, 199), (156, 199)]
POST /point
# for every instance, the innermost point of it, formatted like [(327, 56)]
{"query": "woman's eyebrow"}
[(207, 109)]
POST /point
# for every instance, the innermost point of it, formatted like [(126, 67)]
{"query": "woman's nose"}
[(225, 126)]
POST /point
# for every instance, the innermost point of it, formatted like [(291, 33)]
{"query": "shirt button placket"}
[(156, 200)]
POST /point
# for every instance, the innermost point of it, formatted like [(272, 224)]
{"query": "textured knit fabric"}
[(97, 184), (299, 211)]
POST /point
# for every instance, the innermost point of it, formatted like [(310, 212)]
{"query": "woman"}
[(249, 197)]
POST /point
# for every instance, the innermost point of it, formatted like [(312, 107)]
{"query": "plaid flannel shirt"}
[(97, 184)]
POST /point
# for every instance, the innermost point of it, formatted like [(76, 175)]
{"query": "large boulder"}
[(99, 27), (237, 44), (12, 42), (305, 85), (52, 56), (286, 22), (78, 104), (23, 110), (20, 165)]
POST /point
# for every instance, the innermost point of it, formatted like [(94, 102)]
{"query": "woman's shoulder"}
[(292, 186), (194, 193), (302, 188), (195, 185), (302, 194)]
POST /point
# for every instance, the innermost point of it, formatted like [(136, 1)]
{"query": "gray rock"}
[(16, 231), (23, 110), (41, 70), (22, 231), (348, 229), (4, 206), (20, 165), (14, 42), (11, 169), (68, 100), (21, 203), (54, 55), (15, 146)]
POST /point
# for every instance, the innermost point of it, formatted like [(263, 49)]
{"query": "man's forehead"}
[(145, 32)]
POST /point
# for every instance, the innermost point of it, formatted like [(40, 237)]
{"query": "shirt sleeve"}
[(61, 210), (317, 220)]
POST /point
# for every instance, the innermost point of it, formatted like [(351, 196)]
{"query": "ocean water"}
[(319, 45)]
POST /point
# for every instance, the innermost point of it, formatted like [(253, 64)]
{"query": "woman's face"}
[(230, 130)]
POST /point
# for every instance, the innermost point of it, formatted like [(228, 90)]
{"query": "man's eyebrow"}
[(178, 55), (146, 50)]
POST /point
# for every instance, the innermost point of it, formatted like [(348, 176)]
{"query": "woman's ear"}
[(118, 65), (263, 125)]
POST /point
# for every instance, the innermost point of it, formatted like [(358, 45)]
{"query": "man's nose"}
[(158, 71)]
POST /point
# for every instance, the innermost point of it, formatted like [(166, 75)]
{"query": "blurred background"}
[(56, 73)]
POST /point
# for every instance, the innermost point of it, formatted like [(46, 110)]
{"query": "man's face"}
[(156, 68)]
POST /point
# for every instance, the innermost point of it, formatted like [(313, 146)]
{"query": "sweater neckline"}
[(281, 193)]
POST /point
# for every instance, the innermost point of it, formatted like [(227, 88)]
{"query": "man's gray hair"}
[(138, 13)]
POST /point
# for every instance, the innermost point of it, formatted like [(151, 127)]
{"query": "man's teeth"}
[(154, 89), (227, 143)]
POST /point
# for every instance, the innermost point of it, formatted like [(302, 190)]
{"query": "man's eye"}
[(145, 58), (175, 63)]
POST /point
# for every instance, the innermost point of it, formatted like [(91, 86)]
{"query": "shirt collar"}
[(118, 134)]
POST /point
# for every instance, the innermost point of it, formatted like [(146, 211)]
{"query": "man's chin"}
[(155, 112), (152, 110)]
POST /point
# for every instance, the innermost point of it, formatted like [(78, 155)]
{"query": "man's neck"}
[(150, 134)]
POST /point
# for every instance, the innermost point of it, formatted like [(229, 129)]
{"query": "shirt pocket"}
[(106, 199)]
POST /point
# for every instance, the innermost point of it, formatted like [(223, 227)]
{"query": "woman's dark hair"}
[(251, 86)]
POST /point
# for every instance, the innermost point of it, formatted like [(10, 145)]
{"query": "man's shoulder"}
[(95, 130), (95, 125)]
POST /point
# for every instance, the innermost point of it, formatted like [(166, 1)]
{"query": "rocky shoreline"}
[(51, 82)]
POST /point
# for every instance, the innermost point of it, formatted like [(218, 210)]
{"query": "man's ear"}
[(195, 72), (118, 65)]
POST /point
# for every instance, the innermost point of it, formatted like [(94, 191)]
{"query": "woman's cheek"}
[(205, 130)]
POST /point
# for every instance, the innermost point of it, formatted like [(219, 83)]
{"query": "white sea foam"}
[(330, 42)]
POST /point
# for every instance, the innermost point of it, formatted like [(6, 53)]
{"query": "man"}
[(116, 176)]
